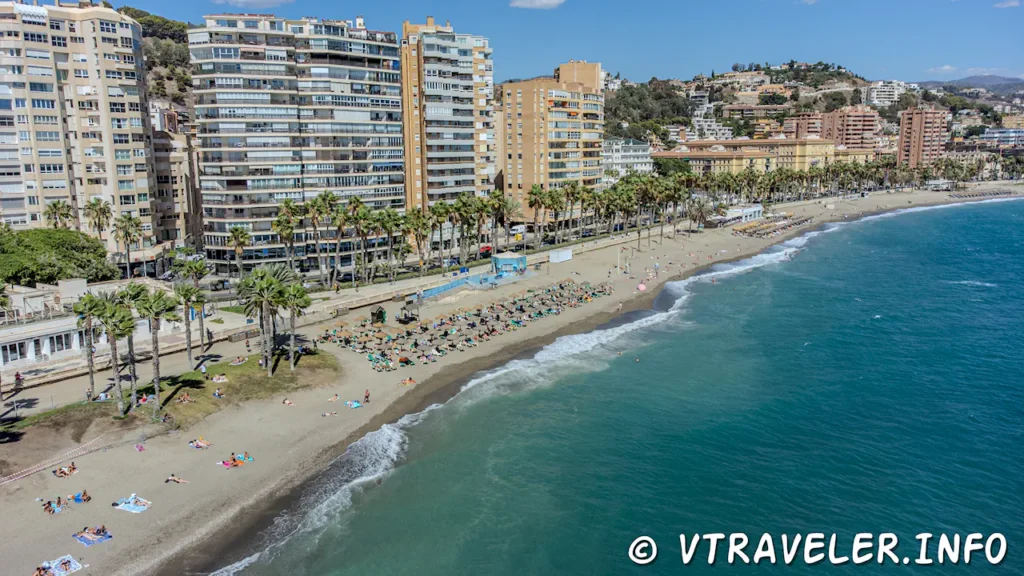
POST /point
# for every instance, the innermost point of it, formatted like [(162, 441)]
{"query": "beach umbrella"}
[(362, 319), (641, 287), (380, 335), (426, 323), (441, 317), (344, 334), (341, 324), (379, 325), (365, 339)]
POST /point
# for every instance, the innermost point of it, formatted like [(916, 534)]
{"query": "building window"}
[(59, 41)]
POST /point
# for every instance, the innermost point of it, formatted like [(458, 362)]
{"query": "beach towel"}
[(353, 404), (90, 539), (73, 472), (54, 566), (140, 448), (128, 505), (241, 457)]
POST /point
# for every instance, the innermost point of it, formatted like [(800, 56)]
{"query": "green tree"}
[(239, 239), (89, 308), (127, 231), (157, 306), (296, 300), (99, 214), (118, 323), (189, 296)]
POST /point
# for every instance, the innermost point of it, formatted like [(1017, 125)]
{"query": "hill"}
[(165, 45), (990, 82), (645, 108)]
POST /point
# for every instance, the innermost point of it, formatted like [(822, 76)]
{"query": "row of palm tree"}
[(264, 294), (113, 314), (379, 235)]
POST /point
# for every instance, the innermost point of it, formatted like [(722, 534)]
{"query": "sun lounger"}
[(90, 539), (54, 565), (129, 505)]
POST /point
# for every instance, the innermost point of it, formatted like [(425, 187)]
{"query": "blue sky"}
[(679, 38)]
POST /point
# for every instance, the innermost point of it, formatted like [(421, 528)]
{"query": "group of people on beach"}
[(463, 328)]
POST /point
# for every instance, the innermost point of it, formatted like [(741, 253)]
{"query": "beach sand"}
[(192, 526)]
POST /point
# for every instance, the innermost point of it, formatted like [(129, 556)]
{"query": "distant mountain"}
[(991, 82)]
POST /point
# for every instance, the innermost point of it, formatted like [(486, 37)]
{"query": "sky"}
[(910, 40)]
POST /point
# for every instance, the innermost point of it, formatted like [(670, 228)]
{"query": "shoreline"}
[(237, 546), (202, 533)]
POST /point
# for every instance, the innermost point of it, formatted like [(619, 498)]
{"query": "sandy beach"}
[(191, 527)]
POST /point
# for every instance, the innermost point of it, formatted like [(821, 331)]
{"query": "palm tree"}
[(59, 214), (296, 300), (189, 296), (318, 210), (571, 192), (157, 306), (99, 214), (118, 323), (284, 227), (438, 216), (261, 295), (536, 199), (586, 198), (239, 240), (128, 298), (418, 224), (195, 269), (89, 308), (358, 216), (509, 209), (390, 221), (339, 219), (127, 231)]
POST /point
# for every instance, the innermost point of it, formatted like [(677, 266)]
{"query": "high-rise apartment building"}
[(624, 155), (550, 133), (74, 120), (177, 190), (857, 127), (886, 92), (923, 135), (287, 109), (448, 95)]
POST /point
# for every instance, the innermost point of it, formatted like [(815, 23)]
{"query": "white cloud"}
[(253, 4), (1007, 4), (536, 4), (946, 69)]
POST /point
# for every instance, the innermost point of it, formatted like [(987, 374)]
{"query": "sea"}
[(865, 378)]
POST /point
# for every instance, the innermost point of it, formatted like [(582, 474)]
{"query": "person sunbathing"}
[(175, 479), (326, 414), (48, 507), (218, 394), (60, 502), (140, 502), (333, 398), (65, 565), (40, 571), (287, 402), (220, 378), (85, 496)]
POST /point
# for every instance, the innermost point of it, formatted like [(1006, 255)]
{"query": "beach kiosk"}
[(378, 315), (508, 262)]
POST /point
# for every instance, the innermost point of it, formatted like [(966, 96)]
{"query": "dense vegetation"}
[(165, 45), (646, 108), (29, 257), (816, 75)]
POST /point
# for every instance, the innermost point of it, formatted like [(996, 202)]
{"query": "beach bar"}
[(508, 262)]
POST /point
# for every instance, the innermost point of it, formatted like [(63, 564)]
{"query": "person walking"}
[(366, 396)]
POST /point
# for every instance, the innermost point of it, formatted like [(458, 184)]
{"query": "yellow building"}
[(854, 155), (549, 132), (1015, 122), (793, 154), (718, 160)]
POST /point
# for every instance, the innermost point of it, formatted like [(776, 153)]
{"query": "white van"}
[(519, 229)]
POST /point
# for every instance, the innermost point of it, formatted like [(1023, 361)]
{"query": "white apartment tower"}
[(286, 109)]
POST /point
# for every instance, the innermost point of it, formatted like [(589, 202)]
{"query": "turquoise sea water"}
[(867, 378)]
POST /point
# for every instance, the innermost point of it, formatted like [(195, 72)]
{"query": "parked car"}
[(518, 229)]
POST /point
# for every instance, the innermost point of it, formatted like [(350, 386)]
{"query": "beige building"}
[(858, 127), (718, 159), (803, 125), (854, 155), (285, 110), (177, 189), (1015, 122), (580, 72), (923, 135), (448, 96), (74, 119), (767, 128), (799, 154), (549, 132)]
